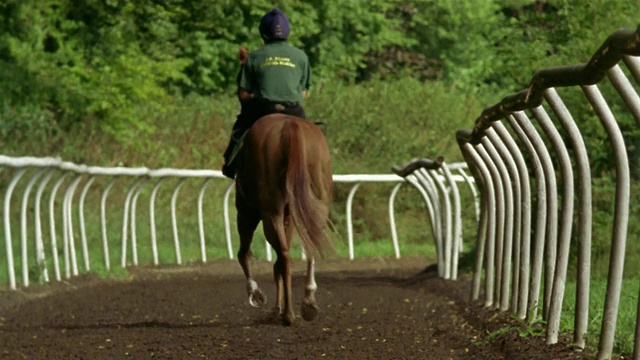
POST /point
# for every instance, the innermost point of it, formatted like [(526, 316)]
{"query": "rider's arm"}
[(305, 82), (246, 81), (244, 95)]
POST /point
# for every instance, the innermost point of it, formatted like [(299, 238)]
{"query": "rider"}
[(275, 78)]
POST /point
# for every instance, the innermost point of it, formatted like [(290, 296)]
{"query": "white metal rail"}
[(495, 173), (65, 179)]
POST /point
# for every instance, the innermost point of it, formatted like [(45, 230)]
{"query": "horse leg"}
[(289, 315), (277, 236), (309, 306), (246, 227), (278, 309)]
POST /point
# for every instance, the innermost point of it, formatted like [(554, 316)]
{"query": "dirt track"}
[(370, 309)]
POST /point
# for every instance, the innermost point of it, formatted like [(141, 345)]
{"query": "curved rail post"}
[(445, 221), (473, 160), (513, 224), (486, 244), (631, 98), (352, 193), (474, 192), (103, 222), (552, 205), (564, 225), (450, 243), (70, 242), (174, 221), (525, 221), (584, 214), (413, 180), (415, 173), (23, 225), (626, 91), (83, 230), (541, 219), (40, 252), (52, 226), (633, 63), (7, 225), (620, 221), (505, 238), (227, 222), (132, 225), (392, 220), (152, 220), (493, 259), (495, 250), (457, 221), (430, 187), (481, 240), (125, 221), (203, 249)]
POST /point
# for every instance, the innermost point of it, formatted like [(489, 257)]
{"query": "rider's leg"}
[(232, 140), (250, 113), (242, 124)]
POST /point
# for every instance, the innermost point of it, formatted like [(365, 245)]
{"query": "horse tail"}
[(307, 210)]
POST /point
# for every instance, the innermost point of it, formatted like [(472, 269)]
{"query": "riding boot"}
[(243, 122), (229, 167)]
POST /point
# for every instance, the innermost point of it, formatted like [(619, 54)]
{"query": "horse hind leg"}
[(289, 316), (246, 228), (279, 238), (278, 309), (309, 305)]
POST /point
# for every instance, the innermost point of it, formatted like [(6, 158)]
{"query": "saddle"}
[(240, 140)]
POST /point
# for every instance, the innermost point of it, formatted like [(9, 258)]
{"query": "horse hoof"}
[(257, 298), (287, 320), (309, 311)]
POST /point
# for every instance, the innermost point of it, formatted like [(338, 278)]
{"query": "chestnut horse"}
[(284, 179)]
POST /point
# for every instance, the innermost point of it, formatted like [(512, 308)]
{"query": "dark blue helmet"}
[(274, 25)]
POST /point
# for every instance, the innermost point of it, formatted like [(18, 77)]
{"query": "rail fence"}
[(512, 255), (58, 182)]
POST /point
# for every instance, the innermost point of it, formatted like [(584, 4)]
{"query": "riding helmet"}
[(274, 25)]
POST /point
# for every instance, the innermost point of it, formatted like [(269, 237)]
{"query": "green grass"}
[(626, 323)]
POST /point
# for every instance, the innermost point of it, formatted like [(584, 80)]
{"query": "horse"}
[(284, 179)]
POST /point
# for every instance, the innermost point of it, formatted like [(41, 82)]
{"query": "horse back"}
[(286, 170), (265, 157)]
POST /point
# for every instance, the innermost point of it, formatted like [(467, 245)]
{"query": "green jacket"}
[(278, 72)]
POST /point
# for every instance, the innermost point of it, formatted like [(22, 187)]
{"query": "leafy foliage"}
[(114, 61), (62, 57)]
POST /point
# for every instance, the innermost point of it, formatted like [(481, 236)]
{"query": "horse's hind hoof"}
[(309, 311), (257, 298), (288, 320)]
